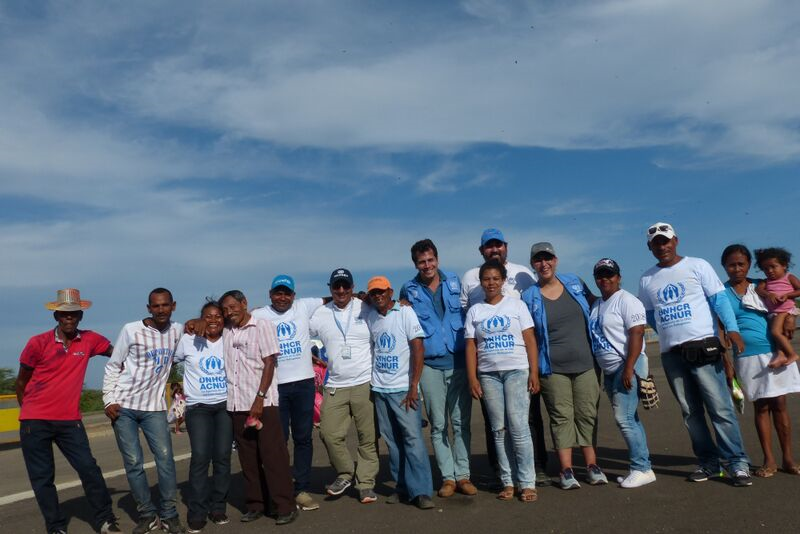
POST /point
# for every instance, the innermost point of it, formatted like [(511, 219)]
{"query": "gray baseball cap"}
[(543, 246)]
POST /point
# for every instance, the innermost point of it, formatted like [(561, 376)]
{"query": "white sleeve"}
[(469, 324), (525, 319), (311, 305), (313, 323), (464, 290), (644, 298), (114, 368), (411, 324), (709, 280), (632, 311), (180, 351)]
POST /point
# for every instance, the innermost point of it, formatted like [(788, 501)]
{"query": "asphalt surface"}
[(671, 504)]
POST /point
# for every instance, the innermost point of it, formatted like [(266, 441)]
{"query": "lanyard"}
[(339, 325)]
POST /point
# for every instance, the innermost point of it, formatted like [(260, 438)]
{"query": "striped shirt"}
[(136, 375), (245, 350)]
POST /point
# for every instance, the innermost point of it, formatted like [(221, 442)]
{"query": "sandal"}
[(528, 495), (793, 470), (506, 494), (765, 472)]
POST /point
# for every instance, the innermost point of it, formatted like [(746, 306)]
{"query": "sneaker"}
[(423, 502), (567, 480), (338, 486), (193, 526), (218, 518), (110, 527), (637, 479), (172, 525), (595, 476), (251, 516), (741, 479), (147, 524), (394, 498), (287, 518), (702, 474), (306, 502), (59, 531), (542, 479), (367, 496)]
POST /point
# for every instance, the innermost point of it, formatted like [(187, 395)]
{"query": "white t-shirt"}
[(609, 322), (203, 369), (350, 361), (677, 295), (294, 362), (390, 335), (519, 279), (497, 331)]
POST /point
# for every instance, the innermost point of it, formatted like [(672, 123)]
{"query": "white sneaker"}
[(636, 479)]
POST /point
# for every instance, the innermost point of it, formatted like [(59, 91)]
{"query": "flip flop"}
[(528, 495), (506, 494), (765, 472), (794, 470)]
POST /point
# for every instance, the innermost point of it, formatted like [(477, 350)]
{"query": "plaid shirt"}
[(246, 348)]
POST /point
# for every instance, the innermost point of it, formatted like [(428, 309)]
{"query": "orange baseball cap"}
[(378, 282)]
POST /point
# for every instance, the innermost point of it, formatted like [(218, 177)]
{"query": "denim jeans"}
[(508, 402), (156, 433), (624, 403), (704, 389), (36, 439), (210, 437), (296, 404), (448, 397), (401, 429)]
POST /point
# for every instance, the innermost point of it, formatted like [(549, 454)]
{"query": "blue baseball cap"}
[(283, 280), (490, 234)]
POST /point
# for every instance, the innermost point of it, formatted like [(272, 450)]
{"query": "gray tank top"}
[(570, 350)]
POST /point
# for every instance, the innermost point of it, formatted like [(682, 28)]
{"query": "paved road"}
[(669, 505)]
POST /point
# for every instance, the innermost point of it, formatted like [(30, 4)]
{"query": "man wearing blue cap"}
[(296, 388), (494, 247)]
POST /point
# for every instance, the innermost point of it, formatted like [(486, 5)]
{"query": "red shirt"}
[(54, 390)]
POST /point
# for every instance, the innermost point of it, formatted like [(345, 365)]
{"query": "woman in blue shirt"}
[(764, 386)]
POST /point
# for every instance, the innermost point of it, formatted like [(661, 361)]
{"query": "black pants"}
[(37, 437), (210, 435)]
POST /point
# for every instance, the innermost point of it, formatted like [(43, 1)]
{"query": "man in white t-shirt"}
[(295, 373), (341, 326), (679, 294), (494, 246), (396, 371)]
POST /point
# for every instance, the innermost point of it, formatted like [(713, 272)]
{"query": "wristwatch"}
[(261, 394)]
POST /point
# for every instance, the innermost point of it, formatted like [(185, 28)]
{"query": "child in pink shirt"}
[(779, 291)]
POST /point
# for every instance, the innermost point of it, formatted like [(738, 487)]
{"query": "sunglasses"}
[(343, 285), (658, 228)]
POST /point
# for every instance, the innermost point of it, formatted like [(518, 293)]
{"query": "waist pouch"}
[(702, 351)]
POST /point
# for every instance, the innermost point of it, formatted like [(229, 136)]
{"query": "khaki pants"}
[(572, 401), (339, 405)]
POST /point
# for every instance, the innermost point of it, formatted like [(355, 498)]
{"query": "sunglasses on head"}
[(658, 228)]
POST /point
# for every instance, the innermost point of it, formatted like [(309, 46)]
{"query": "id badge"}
[(347, 352)]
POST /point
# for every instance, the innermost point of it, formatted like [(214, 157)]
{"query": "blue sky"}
[(204, 146)]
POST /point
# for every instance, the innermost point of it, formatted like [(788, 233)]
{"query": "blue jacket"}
[(532, 297), (444, 338)]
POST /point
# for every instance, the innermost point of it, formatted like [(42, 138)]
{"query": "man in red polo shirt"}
[(51, 371)]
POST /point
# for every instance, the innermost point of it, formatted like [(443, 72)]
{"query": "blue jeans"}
[(507, 402), (448, 397), (401, 429), (210, 437), (701, 389), (36, 439), (296, 404), (624, 403), (156, 433)]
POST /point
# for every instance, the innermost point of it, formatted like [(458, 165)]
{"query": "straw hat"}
[(68, 300)]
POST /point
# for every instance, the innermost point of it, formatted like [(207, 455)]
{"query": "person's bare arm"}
[(23, 377), (471, 358), (267, 375), (533, 359), (417, 363), (635, 344)]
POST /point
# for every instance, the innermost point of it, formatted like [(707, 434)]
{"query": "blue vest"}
[(443, 338), (532, 297)]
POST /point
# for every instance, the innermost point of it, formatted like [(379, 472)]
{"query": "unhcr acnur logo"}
[(496, 323)]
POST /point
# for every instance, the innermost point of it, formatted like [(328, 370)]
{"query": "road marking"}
[(23, 495)]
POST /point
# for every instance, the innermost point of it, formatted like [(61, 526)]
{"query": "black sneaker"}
[(741, 479), (193, 526), (251, 516), (287, 518), (218, 518), (147, 524), (172, 525), (423, 502), (110, 526), (702, 474)]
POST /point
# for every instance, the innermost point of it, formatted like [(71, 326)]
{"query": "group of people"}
[(502, 333)]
